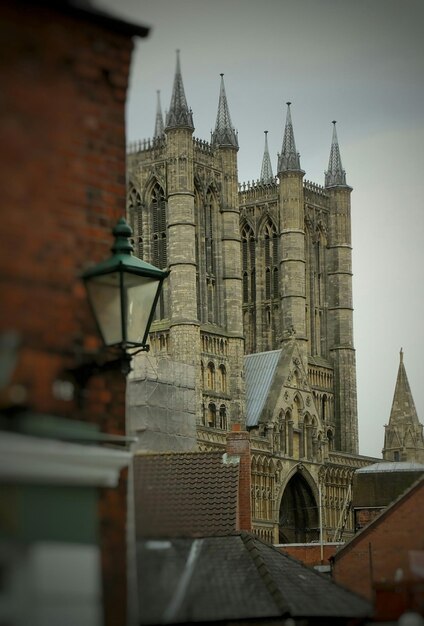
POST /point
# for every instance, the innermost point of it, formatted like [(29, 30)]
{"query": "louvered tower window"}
[(135, 220), (159, 252), (249, 265), (248, 252), (210, 262), (270, 291)]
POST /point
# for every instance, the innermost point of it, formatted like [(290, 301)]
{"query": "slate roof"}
[(259, 373), (391, 466), (187, 494), (233, 577)]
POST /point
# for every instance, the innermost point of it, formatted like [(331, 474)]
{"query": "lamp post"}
[(123, 292)]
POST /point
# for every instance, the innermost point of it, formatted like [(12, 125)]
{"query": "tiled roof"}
[(191, 494), (233, 577), (259, 372)]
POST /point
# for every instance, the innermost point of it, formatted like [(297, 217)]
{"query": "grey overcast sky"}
[(360, 62)]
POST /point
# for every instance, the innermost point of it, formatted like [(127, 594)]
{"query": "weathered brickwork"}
[(383, 551), (62, 122)]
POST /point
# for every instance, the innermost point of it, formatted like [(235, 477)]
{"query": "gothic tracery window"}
[(134, 209), (159, 252)]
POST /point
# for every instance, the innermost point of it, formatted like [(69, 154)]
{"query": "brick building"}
[(64, 69), (384, 561), (198, 565)]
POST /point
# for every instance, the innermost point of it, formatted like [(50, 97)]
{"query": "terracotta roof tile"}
[(185, 494)]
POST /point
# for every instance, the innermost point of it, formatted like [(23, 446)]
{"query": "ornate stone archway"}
[(298, 515)]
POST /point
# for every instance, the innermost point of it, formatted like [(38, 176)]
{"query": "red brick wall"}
[(238, 443), (390, 539), (310, 554), (62, 128)]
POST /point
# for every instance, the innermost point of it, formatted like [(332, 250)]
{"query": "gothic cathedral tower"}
[(183, 208), (258, 305)]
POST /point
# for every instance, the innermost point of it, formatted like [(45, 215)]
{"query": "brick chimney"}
[(238, 443)]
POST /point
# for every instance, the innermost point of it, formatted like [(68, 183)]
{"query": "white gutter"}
[(34, 460)]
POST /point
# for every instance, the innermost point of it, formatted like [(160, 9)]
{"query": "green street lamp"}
[(123, 292)]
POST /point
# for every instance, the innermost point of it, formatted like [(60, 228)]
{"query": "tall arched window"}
[(211, 376), (222, 379), (212, 415), (270, 244), (159, 252), (207, 245), (248, 265), (210, 257), (134, 216), (223, 417), (270, 290), (158, 211)]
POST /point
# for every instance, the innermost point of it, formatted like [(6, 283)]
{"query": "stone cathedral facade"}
[(259, 302)]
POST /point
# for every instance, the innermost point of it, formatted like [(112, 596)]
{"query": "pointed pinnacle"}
[(289, 157), (335, 175), (266, 171), (179, 115), (403, 406), (159, 119), (224, 133)]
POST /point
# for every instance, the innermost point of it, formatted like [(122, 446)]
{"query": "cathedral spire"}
[(403, 406), (159, 119), (335, 175), (266, 171), (224, 133), (179, 115), (289, 159), (403, 440)]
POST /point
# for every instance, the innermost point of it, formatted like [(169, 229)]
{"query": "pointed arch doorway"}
[(298, 516)]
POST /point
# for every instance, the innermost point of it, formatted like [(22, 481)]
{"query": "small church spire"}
[(404, 434), (266, 171), (179, 115), (289, 159), (224, 133), (335, 175), (159, 119)]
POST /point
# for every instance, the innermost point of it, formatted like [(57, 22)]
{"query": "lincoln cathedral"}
[(258, 304)]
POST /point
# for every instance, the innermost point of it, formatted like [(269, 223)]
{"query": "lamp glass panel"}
[(140, 293), (105, 299)]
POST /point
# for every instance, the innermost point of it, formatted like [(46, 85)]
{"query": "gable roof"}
[(187, 494), (381, 518), (233, 577)]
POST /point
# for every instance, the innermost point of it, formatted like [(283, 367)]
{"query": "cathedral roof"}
[(259, 371), (403, 407), (266, 171), (159, 119), (179, 115), (289, 159), (335, 175), (224, 133)]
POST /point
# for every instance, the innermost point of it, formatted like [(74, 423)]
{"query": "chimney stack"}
[(238, 443)]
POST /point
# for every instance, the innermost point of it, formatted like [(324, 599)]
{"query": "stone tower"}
[(403, 439), (183, 207), (258, 304), (340, 306), (292, 242)]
